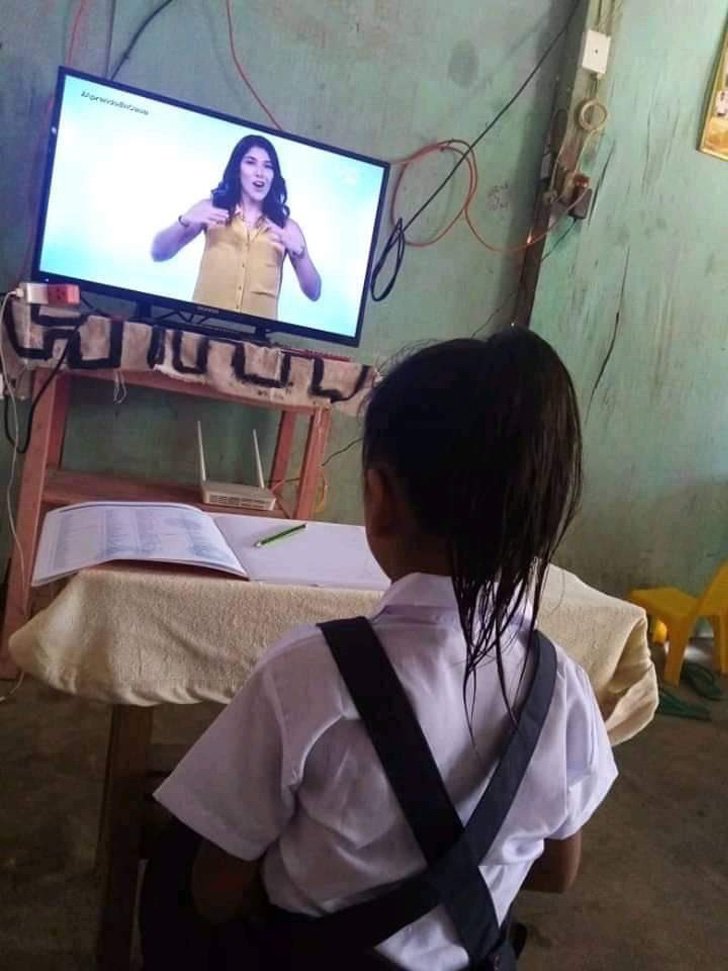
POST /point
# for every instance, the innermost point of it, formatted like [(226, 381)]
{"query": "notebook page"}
[(321, 555), (76, 537)]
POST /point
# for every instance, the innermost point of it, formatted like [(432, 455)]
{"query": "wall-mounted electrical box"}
[(595, 56)]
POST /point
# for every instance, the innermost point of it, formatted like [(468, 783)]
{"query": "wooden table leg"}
[(59, 418), (282, 454), (120, 833), (32, 483), (318, 433)]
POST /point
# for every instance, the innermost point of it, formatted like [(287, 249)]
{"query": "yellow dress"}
[(241, 269)]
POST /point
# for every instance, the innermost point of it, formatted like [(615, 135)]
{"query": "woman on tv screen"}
[(248, 234)]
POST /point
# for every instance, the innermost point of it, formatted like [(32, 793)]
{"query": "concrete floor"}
[(653, 892)]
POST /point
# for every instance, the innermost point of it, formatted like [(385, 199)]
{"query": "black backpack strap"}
[(412, 772), (452, 851)]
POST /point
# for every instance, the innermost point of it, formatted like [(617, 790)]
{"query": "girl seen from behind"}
[(355, 773)]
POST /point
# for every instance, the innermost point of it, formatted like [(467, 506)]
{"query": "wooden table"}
[(45, 484)]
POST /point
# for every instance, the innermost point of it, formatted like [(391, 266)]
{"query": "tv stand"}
[(45, 484)]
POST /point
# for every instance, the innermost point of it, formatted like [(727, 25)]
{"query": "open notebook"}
[(322, 555)]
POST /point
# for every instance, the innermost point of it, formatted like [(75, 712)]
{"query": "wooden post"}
[(120, 833), (532, 260)]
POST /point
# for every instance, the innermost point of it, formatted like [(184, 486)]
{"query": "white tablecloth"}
[(137, 636)]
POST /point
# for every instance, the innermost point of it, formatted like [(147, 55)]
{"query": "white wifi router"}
[(233, 495)]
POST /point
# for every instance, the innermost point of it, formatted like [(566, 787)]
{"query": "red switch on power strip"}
[(63, 295)]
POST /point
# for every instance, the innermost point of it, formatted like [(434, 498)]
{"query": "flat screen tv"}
[(166, 204)]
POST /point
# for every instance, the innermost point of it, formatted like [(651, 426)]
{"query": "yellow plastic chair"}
[(674, 613)]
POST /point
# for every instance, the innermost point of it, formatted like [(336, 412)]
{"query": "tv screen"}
[(157, 201)]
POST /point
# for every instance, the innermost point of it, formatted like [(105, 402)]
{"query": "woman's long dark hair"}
[(483, 437), (227, 194)]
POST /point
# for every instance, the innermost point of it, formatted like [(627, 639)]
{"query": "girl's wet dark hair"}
[(227, 194), (483, 438)]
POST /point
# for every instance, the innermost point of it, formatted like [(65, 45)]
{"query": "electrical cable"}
[(340, 451), (610, 17), (500, 114), (591, 128), (20, 677), (119, 394), (456, 145), (321, 504), (241, 70), (491, 317), (9, 393), (513, 293), (137, 36), (15, 687), (80, 11), (11, 481), (482, 327), (532, 240), (395, 241), (333, 455), (92, 307), (588, 124), (109, 38), (13, 438), (42, 128), (560, 240)]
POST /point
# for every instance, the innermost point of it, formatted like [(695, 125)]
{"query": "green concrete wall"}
[(647, 277), (379, 76)]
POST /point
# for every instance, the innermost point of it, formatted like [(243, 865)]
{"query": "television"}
[(153, 200)]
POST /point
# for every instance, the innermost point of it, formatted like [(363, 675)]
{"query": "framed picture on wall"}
[(715, 132)]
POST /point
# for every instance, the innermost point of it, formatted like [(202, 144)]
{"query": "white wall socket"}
[(596, 52)]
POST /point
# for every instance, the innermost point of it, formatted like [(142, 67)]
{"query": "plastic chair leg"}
[(720, 642), (676, 652), (658, 631)]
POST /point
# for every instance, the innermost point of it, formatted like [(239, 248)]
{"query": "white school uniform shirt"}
[(288, 772)]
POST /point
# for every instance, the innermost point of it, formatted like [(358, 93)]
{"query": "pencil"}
[(281, 535)]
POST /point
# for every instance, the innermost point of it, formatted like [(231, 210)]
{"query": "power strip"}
[(50, 294)]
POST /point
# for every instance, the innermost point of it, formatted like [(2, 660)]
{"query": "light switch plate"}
[(596, 52)]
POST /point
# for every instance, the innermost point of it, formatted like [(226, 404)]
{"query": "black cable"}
[(137, 34), (509, 296), (513, 293), (21, 450), (397, 236), (92, 307), (340, 451), (612, 340), (560, 240), (396, 239)]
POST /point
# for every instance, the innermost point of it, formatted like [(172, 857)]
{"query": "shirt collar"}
[(433, 592), (420, 590)]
